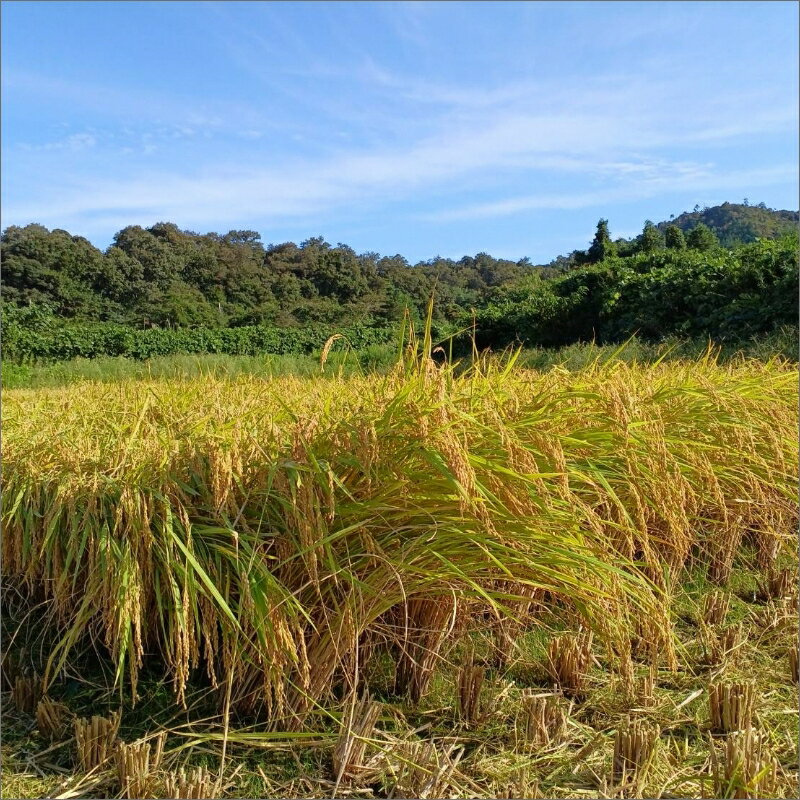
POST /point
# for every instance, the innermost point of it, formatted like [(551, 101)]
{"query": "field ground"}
[(497, 761), (500, 583)]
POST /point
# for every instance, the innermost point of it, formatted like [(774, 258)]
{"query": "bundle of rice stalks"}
[(197, 784), (747, 769), (542, 719), (715, 607), (95, 739), (52, 719), (26, 692), (634, 746), (429, 621), (355, 737), (135, 766), (568, 659), (794, 658), (470, 682), (731, 706), (720, 646), (426, 772), (777, 584)]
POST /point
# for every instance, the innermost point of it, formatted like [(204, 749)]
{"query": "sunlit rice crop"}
[(279, 533)]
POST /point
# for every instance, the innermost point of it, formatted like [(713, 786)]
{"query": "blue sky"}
[(416, 128)]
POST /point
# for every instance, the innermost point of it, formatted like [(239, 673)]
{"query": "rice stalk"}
[(568, 660), (747, 769), (95, 739), (731, 706), (52, 719), (634, 746)]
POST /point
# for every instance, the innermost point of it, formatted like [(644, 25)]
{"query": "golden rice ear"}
[(542, 719), (197, 784), (52, 719), (731, 706), (95, 739), (747, 769), (349, 754), (568, 659), (634, 745), (326, 349)]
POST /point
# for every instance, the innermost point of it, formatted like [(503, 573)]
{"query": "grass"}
[(377, 359), (245, 557)]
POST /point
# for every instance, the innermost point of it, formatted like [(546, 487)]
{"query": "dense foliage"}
[(161, 290), (723, 294), (31, 335)]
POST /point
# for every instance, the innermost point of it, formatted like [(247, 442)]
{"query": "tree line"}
[(62, 296)]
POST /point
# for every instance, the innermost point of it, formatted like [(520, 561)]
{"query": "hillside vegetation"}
[(163, 291)]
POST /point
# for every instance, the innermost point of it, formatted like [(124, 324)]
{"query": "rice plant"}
[(274, 536)]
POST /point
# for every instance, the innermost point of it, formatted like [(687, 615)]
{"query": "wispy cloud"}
[(668, 183)]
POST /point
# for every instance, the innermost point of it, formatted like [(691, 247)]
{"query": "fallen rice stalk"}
[(220, 526)]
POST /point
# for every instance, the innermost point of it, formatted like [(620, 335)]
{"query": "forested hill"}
[(738, 224), (166, 277)]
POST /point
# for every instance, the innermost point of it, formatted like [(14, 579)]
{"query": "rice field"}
[(496, 582)]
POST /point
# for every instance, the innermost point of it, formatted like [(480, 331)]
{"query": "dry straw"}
[(634, 746), (747, 769), (777, 584), (136, 762), (26, 692), (715, 607), (470, 682), (197, 784), (96, 739), (731, 706), (52, 719), (356, 738), (542, 719), (425, 771), (569, 657)]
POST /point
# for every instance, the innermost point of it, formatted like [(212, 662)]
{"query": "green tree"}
[(602, 247), (651, 238), (701, 237), (674, 238)]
